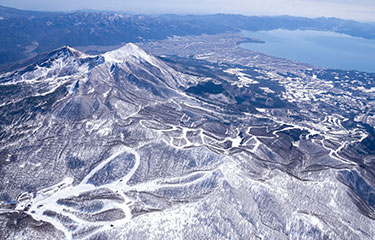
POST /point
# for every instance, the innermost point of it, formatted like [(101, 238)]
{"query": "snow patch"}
[(243, 79), (267, 90)]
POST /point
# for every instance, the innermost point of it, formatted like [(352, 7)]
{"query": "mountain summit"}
[(130, 51)]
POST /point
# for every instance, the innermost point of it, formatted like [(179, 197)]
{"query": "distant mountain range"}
[(27, 33), (259, 23)]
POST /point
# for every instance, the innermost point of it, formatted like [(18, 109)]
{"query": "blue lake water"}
[(324, 49)]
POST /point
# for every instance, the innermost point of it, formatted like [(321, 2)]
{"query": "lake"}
[(324, 49)]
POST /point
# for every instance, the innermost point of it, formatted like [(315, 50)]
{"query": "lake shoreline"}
[(318, 48)]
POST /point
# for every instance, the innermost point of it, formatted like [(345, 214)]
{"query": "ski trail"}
[(45, 206), (47, 199)]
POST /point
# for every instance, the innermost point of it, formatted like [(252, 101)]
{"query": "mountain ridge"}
[(47, 31)]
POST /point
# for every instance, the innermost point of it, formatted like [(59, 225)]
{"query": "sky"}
[(361, 10)]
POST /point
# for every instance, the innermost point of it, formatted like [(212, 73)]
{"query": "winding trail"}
[(46, 200), (44, 205)]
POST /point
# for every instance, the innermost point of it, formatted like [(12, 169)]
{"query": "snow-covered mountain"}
[(126, 145)]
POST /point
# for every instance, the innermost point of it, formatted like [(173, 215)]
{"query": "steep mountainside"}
[(125, 145)]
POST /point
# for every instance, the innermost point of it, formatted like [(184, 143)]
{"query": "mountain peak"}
[(69, 51), (129, 51)]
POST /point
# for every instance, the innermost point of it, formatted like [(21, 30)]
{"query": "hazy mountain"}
[(259, 23), (27, 33)]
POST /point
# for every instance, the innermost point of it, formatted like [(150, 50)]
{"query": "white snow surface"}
[(128, 52)]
